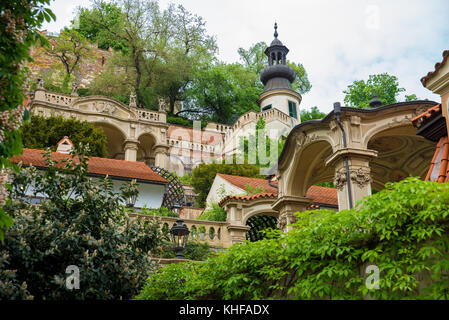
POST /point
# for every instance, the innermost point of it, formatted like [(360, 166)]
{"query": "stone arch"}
[(308, 168), (145, 152), (400, 153), (115, 139)]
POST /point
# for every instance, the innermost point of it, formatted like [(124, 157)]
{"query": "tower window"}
[(266, 107), (292, 109)]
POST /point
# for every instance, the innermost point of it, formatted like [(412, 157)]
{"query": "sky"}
[(337, 41)]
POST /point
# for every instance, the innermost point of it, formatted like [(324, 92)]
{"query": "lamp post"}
[(179, 235)]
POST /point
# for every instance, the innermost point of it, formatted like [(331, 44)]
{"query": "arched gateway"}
[(381, 146)]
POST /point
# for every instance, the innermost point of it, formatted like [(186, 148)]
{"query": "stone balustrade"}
[(150, 115), (215, 233), (57, 98)]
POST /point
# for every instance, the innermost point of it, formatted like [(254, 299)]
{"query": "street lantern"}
[(179, 235), (131, 201)]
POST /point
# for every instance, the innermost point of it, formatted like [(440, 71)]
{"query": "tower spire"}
[(276, 30)]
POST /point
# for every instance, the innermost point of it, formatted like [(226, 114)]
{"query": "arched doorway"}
[(258, 224)]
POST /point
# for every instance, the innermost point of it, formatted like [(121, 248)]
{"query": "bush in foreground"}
[(403, 230), (78, 223)]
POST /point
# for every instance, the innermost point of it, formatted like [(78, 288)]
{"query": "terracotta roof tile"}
[(96, 165), (439, 168), (321, 195), (427, 115), (437, 67)]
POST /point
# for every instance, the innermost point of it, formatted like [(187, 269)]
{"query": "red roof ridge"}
[(96, 165), (438, 66), (426, 114)]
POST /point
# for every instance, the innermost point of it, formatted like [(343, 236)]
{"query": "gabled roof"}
[(120, 169), (437, 68), (322, 195)]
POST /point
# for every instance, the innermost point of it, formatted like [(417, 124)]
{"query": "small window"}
[(266, 108), (292, 109)]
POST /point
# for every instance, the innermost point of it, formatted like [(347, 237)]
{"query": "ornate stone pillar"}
[(161, 156), (237, 231), (287, 206), (359, 174), (131, 147)]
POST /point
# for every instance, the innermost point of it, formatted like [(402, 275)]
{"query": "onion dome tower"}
[(277, 78)]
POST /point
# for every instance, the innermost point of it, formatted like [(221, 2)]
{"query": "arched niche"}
[(115, 139)]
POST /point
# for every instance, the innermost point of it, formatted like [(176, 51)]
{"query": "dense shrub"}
[(215, 213), (79, 223), (194, 250), (403, 230), (46, 132)]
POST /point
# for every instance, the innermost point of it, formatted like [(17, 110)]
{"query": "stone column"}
[(287, 206), (237, 231), (161, 156), (359, 174), (131, 147)]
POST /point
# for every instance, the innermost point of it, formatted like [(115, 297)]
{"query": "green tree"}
[(314, 113), (386, 87), (19, 22), (164, 47), (214, 213), (80, 223), (93, 32), (222, 93), (46, 132), (203, 176), (70, 48)]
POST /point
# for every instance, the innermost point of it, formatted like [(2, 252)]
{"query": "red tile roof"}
[(427, 115), (321, 195), (439, 168), (437, 67), (96, 165)]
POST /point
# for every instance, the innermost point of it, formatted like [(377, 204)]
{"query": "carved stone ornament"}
[(161, 104), (282, 221), (302, 139), (104, 107), (340, 179), (132, 100), (360, 177), (74, 88), (40, 83)]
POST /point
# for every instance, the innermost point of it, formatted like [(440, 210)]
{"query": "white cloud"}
[(337, 41)]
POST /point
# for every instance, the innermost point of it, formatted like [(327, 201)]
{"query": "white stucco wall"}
[(150, 195), (221, 188)]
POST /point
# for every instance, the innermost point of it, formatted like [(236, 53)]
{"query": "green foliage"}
[(98, 34), (222, 93), (194, 250), (160, 212), (81, 223), (215, 213), (203, 176), (19, 22), (249, 190), (42, 133), (314, 113), (259, 141), (71, 49), (403, 230), (360, 93)]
